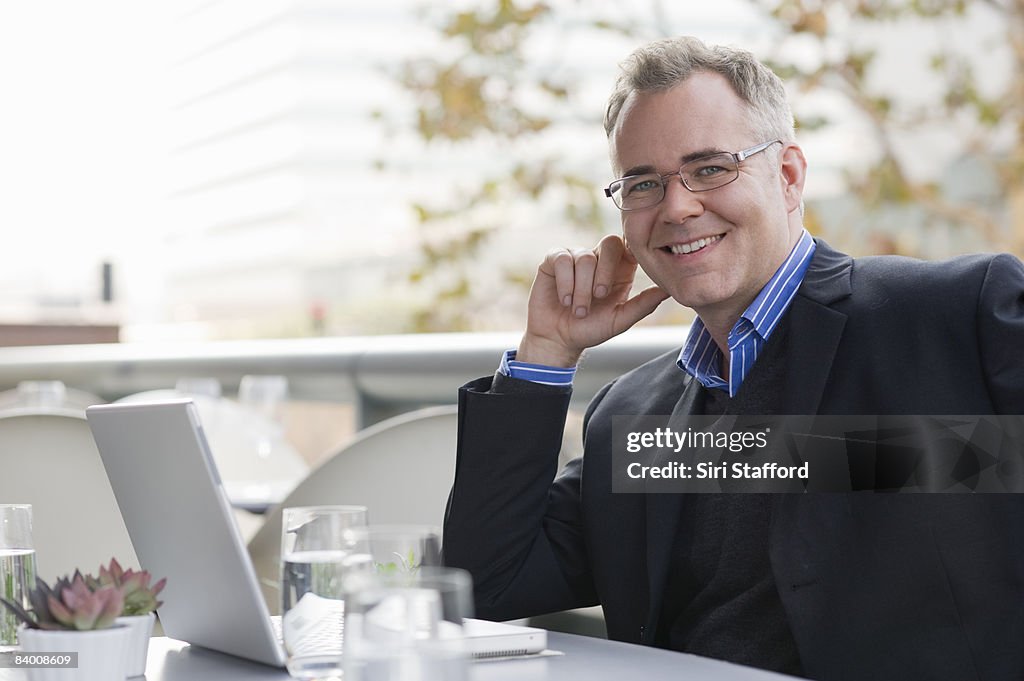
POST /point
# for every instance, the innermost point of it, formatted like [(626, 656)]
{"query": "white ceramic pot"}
[(102, 654), (138, 647)]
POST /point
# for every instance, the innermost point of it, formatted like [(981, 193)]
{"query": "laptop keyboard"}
[(329, 631)]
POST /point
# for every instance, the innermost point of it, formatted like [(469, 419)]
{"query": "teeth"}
[(693, 246)]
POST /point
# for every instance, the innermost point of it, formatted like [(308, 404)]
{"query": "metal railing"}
[(381, 375)]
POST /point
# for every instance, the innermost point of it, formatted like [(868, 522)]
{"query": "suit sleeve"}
[(1001, 333), (515, 527)]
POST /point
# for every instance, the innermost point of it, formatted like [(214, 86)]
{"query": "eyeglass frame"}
[(738, 157)]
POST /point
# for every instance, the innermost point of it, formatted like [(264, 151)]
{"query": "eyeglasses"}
[(699, 175)]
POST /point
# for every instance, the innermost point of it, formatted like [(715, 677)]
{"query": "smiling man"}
[(829, 586)]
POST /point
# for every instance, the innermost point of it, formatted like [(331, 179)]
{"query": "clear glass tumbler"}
[(394, 548), (314, 547), (406, 625), (17, 566)]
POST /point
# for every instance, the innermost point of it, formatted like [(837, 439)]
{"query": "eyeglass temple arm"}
[(741, 156)]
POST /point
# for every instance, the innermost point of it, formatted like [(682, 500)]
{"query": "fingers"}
[(583, 290), (581, 275), (611, 255), (560, 265), (573, 272)]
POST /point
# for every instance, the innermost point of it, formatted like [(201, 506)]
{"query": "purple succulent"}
[(81, 608), (70, 604)]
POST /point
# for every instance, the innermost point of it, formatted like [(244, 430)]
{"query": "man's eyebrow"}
[(692, 156), (701, 153), (638, 170)]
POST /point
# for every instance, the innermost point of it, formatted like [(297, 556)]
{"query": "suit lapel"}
[(812, 335), (814, 330)]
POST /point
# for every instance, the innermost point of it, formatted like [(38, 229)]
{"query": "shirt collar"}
[(699, 356), (766, 310)]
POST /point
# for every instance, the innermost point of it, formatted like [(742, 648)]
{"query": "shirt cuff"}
[(535, 373)]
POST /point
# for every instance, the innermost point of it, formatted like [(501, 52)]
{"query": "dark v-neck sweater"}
[(721, 599)]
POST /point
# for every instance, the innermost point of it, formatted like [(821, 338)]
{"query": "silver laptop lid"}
[(181, 525)]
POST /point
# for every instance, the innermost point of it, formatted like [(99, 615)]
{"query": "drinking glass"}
[(199, 385), (266, 396), (43, 394), (17, 566), (393, 548), (314, 545), (406, 625)]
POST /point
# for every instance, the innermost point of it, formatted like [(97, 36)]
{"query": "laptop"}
[(182, 527)]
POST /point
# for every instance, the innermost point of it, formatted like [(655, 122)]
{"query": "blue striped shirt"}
[(538, 373), (702, 359)]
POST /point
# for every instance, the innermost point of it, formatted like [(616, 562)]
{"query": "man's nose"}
[(679, 202)]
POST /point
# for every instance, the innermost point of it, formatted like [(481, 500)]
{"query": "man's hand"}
[(581, 299)]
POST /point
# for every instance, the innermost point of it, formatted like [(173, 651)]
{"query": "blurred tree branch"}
[(487, 90), (846, 68)]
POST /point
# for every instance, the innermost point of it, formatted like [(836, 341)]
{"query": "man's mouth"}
[(693, 246)]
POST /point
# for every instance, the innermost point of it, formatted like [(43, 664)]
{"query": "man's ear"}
[(792, 175)]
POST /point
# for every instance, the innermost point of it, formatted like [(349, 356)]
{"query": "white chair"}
[(401, 469), (50, 460)]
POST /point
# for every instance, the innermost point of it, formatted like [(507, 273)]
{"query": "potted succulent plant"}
[(71, 617), (140, 604)]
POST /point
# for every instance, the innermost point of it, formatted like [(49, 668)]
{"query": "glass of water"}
[(406, 625), (394, 548), (314, 547), (17, 566)]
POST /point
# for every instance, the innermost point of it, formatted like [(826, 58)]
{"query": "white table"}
[(585, 659)]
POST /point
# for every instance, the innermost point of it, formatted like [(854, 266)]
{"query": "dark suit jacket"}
[(898, 586)]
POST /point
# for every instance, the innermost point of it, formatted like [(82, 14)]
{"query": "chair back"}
[(50, 460), (401, 469)]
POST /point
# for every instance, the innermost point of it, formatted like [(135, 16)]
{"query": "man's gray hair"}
[(666, 63)]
